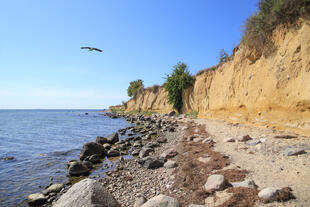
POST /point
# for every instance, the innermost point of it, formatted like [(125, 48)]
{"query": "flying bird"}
[(91, 49)]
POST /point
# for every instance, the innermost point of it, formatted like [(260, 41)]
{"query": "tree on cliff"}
[(134, 86), (176, 82), (223, 56)]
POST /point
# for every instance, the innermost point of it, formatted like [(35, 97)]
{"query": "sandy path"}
[(265, 162)]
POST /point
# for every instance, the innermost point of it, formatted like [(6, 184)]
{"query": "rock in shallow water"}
[(55, 188), (85, 193), (161, 201), (78, 168), (36, 199), (91, 148), (113, 138)]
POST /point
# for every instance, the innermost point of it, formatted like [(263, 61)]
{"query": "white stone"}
[(161, 201)]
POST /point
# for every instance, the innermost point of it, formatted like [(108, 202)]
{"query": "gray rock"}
[(78, 168), (101, 140), (162, 140), (207, 140), (161, 201), (144, 152), (107, 146), (36, 199), (170, 164), (135, 152), (55, 188), (170, 153), (244, 138), (137, 144), (198, 139), (91, 148), (215, 182), (269, 193), (113, 138), (194, 205), (87, 193), (88, 164), (151, 145), (246, 184), (152, 162), (253, 142), (293, 151), (139, 202)]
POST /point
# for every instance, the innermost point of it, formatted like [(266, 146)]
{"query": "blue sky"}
[(41, 65)]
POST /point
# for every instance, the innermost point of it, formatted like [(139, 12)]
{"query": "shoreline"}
[(203, 148)]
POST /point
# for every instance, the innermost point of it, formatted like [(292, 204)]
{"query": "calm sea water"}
[(42, 142)]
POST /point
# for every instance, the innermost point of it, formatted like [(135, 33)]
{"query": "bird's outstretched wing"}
[(97, 49), (85, 48)]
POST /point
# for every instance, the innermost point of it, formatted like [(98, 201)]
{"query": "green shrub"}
[(134, 86), (223, 56), (179, 80), (272, 13)]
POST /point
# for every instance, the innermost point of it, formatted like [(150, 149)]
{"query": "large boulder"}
[(85, 193), (161, 201), (78, 168), (113, 138), (91, 148)]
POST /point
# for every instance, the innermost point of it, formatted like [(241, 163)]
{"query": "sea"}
[(42, 142)]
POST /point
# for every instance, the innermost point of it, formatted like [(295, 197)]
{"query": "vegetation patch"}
[(134, 87), (179, 80)]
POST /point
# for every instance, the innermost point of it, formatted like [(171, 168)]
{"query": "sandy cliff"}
[(271, 91)]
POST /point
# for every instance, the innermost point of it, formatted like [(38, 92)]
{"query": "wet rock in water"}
[(7, 158), (107, 146), (36, 199), (91, 148), (171, 113), (152, 162), (293, 151), (139, 202), (101, 140), (113, 138), (245, 184), (113, 153), (55, 188), (144, 152), (271, 194), (170, 153), (88, 164), (94, 159), (161, 201), (85, 193), (229, 139), (170, 164), (162, 140), (78, 168), (215, 182), (244, 138)]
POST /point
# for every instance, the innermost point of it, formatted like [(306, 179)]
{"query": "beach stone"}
[(139, 202), (77, 168), (135, 152), (171, 113), (144, 152), (113, 138), (253, 142), (113, 153), (152, 162), (198, 139), (55, 188), (229, 139), (162, 140), (293, 151), (91, 148), (151, 145), (170, 153), (36, 199), (194, 205), (269, 193), (161, 201), (221, 197), (191, 137), (85, 193), (215, 182), (244, 138), (246, 184), (94, 159), (101, 140), (137, 144), (204, 159), (107, 146), (170, 164)]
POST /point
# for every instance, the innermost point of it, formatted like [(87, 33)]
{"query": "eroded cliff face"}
[(271, 91)]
